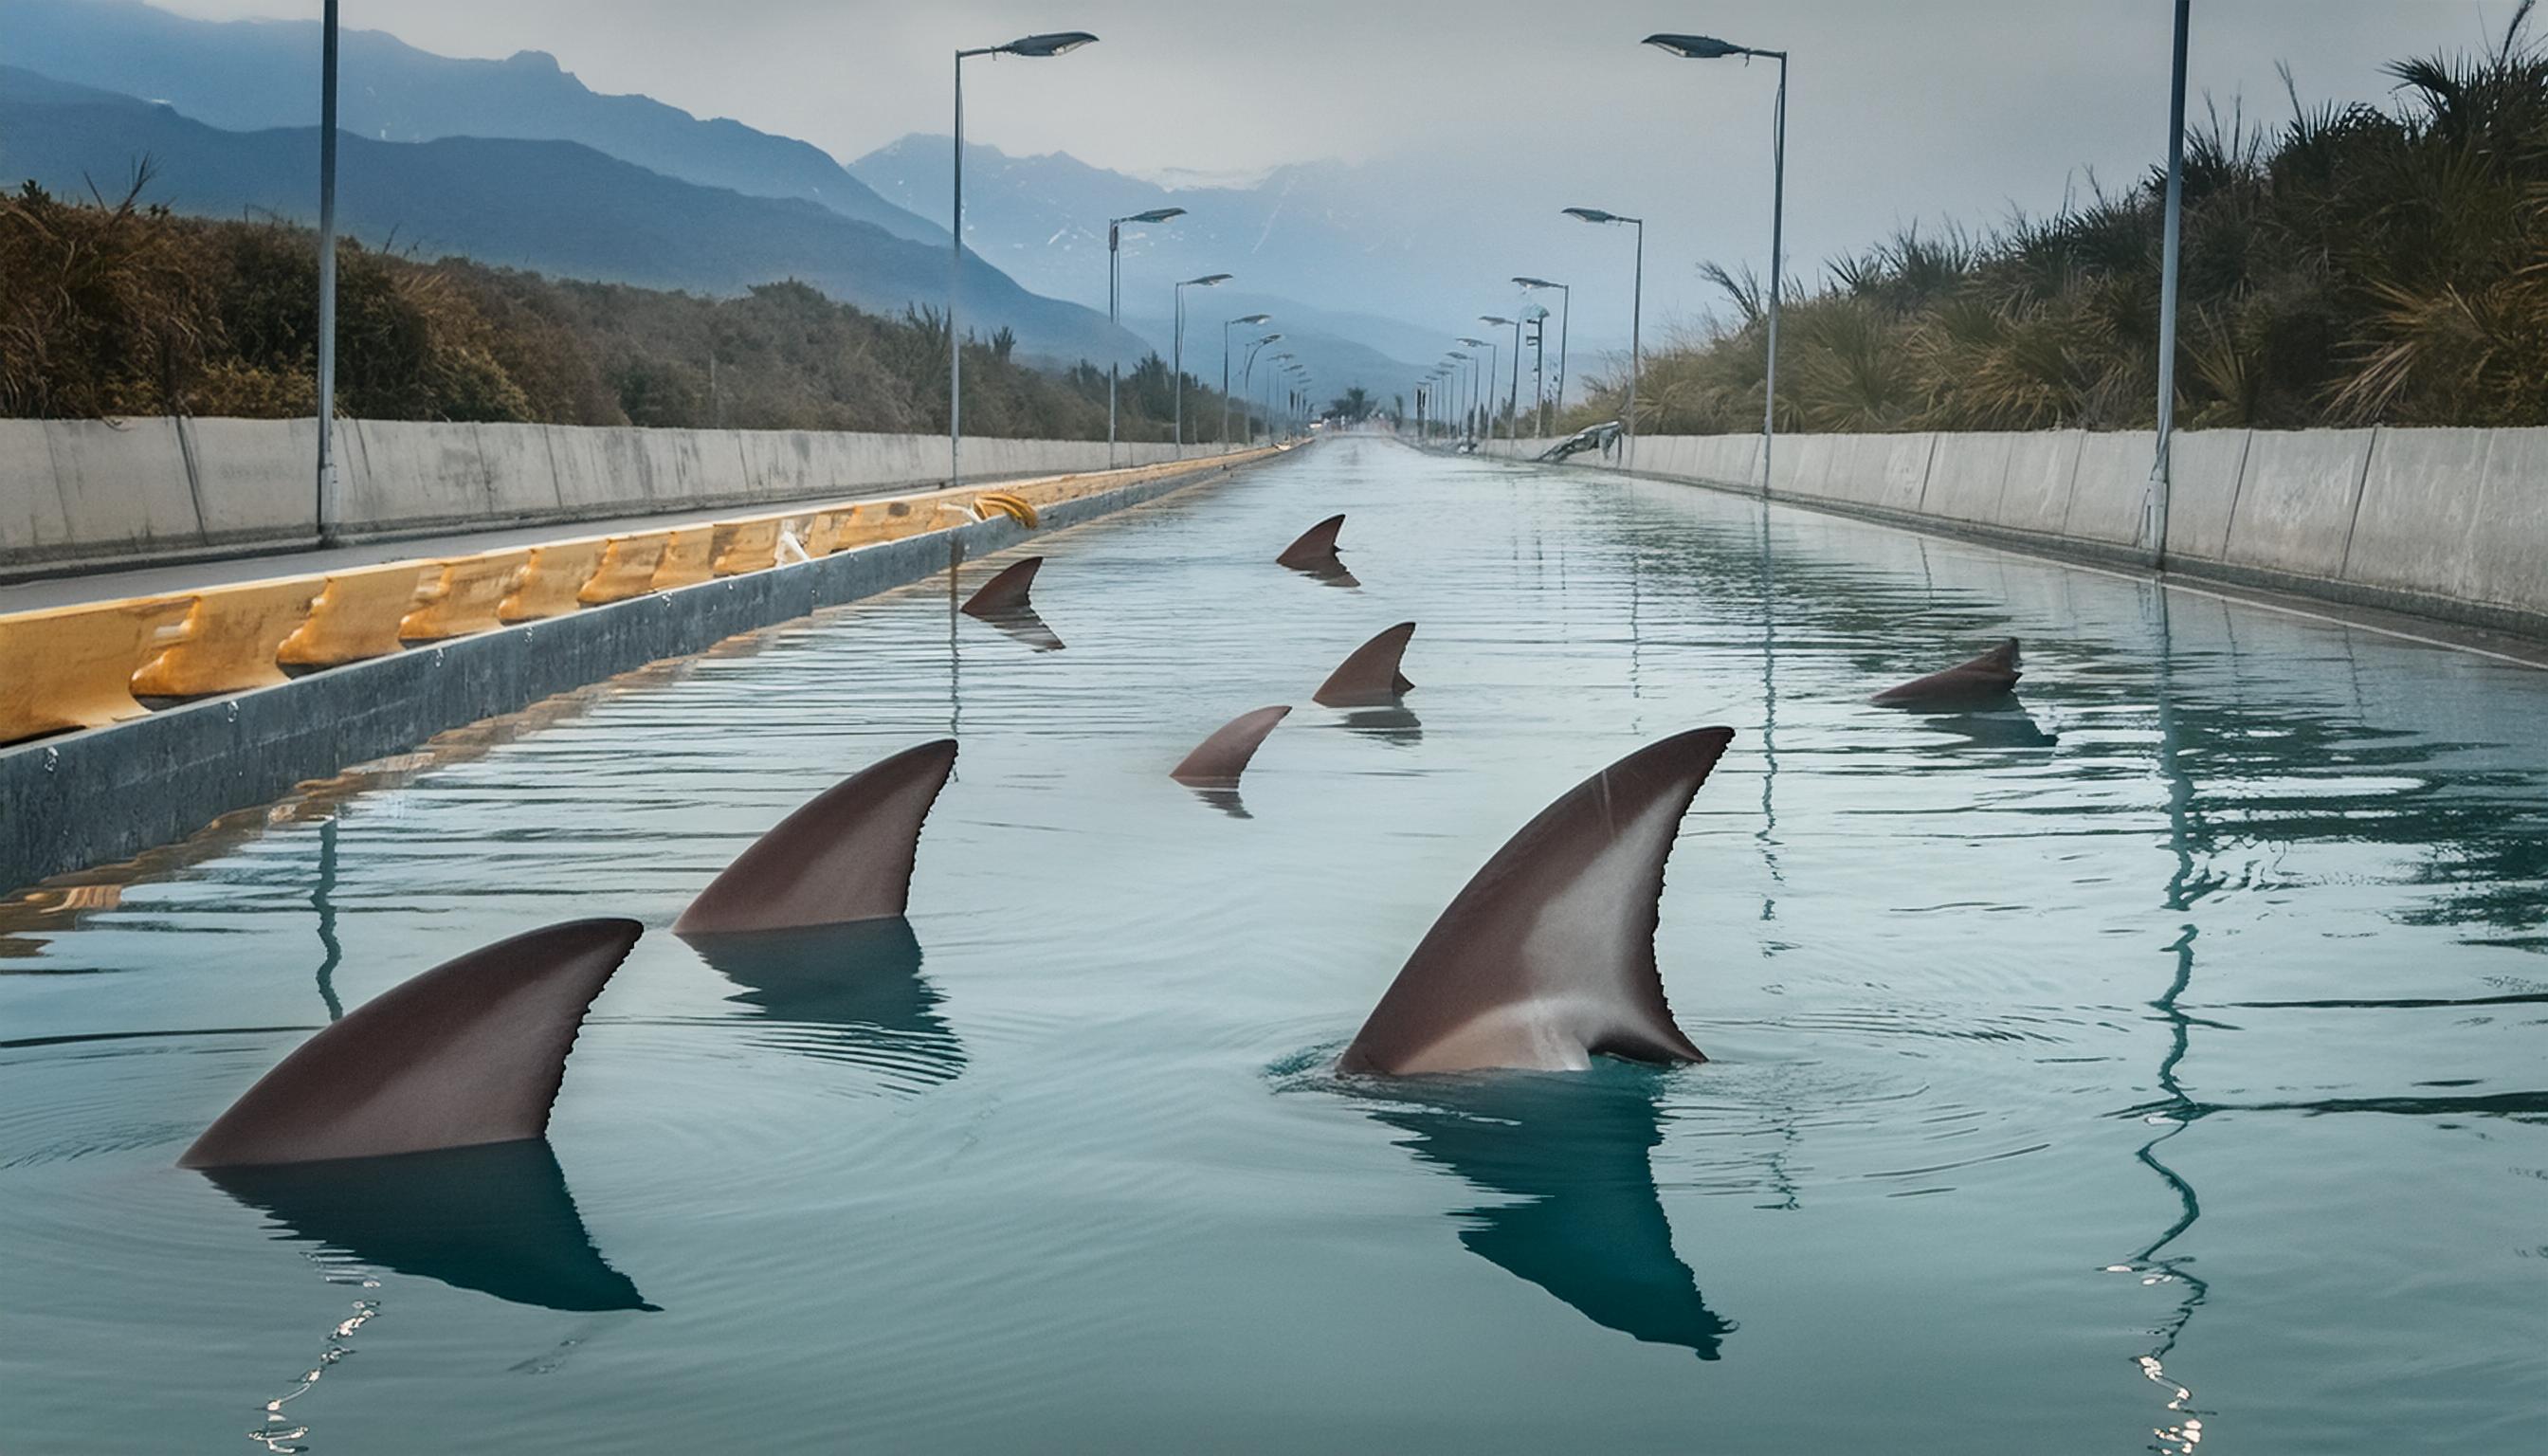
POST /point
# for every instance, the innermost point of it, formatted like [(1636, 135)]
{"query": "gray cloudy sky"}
[(1900, 110)]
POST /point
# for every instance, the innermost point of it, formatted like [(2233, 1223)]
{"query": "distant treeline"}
[(111, 308), (2353, 265)]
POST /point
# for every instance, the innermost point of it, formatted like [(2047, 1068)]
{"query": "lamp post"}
[(1706, 48), (1513, 401), (1565, 313), (329, 510), (1537, 317), (1636, 316), (1480, 388), (1115, 304), (1252, 320), (1037, 48), (1178, 364), (1272, 375), (1247, 386), (2154, 506), (1457, 362)]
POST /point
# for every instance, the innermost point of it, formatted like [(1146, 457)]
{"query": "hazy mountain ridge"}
[(252, 76), (553, 207)]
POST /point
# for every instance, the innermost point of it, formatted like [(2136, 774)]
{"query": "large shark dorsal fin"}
[(1992, 675), (1371, 673), (1221, 757), (846, 856), (470, 1051), (1548, 956), (1006, 592), (1316, 546)]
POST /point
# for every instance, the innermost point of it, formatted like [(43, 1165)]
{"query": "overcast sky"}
[(1900, 110)]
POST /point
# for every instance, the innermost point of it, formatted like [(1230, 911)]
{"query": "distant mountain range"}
[(554, 207), (518, 162), (250, 75)]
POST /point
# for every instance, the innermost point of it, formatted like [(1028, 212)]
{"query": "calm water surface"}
[(2165, 1062)]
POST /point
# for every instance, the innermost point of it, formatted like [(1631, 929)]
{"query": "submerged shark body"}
[(846, 854), (469, 1053), (1547, 958), (1987, 679), (1370, 676)]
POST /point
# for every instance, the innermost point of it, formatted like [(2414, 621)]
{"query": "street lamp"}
[(1252, 320), (1053, 42), (1271, 375), (2155, 508), (1115, 304), (328, 509), (1565, 313), (1636, 318), (1209, 280), (1482, 403), (1513, 401), (1707, 48), (1457, 362), (1247, 385)]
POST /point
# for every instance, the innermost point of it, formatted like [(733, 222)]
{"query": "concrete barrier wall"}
[(2450, 523), (90, 494), (89, 797)]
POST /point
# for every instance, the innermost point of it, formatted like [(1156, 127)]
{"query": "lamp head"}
[(1492, 319), (1253, 318), (1537, 282), (1696, 48), (1154, 214), (1593, 215), (1205, 280), (1052, 43), (1475, 343)]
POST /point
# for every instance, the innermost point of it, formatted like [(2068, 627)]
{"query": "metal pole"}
[(1179, 368), (1225, 380), (1539, 376), (1566, 304), (329, 508), (1778, 242), (1512, 398), (1636, 348), (1113, 316), (955, 281), (2154, 508)]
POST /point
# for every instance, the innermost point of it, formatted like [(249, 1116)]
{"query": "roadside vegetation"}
[(2351, 266), (111, 306)]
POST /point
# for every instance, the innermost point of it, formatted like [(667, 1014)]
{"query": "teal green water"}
[(2166, 1062)]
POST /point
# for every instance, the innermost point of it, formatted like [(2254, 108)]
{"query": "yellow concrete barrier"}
[(72, 667), (872, 521), (744, 546), (553, 581), (356, 616), (466, 598), (688, 554), (627, 567), (231, 637)]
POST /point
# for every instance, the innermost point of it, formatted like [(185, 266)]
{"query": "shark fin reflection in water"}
[(496, 1218), (848, 992), (1587, 1225)]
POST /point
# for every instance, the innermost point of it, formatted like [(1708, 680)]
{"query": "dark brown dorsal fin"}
[(1548, 956), (1006, 592), (470, 1051), (846, 856), (1371, 673), (1221, 757)]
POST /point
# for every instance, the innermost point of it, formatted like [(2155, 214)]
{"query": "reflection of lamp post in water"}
[(2184, 887)]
